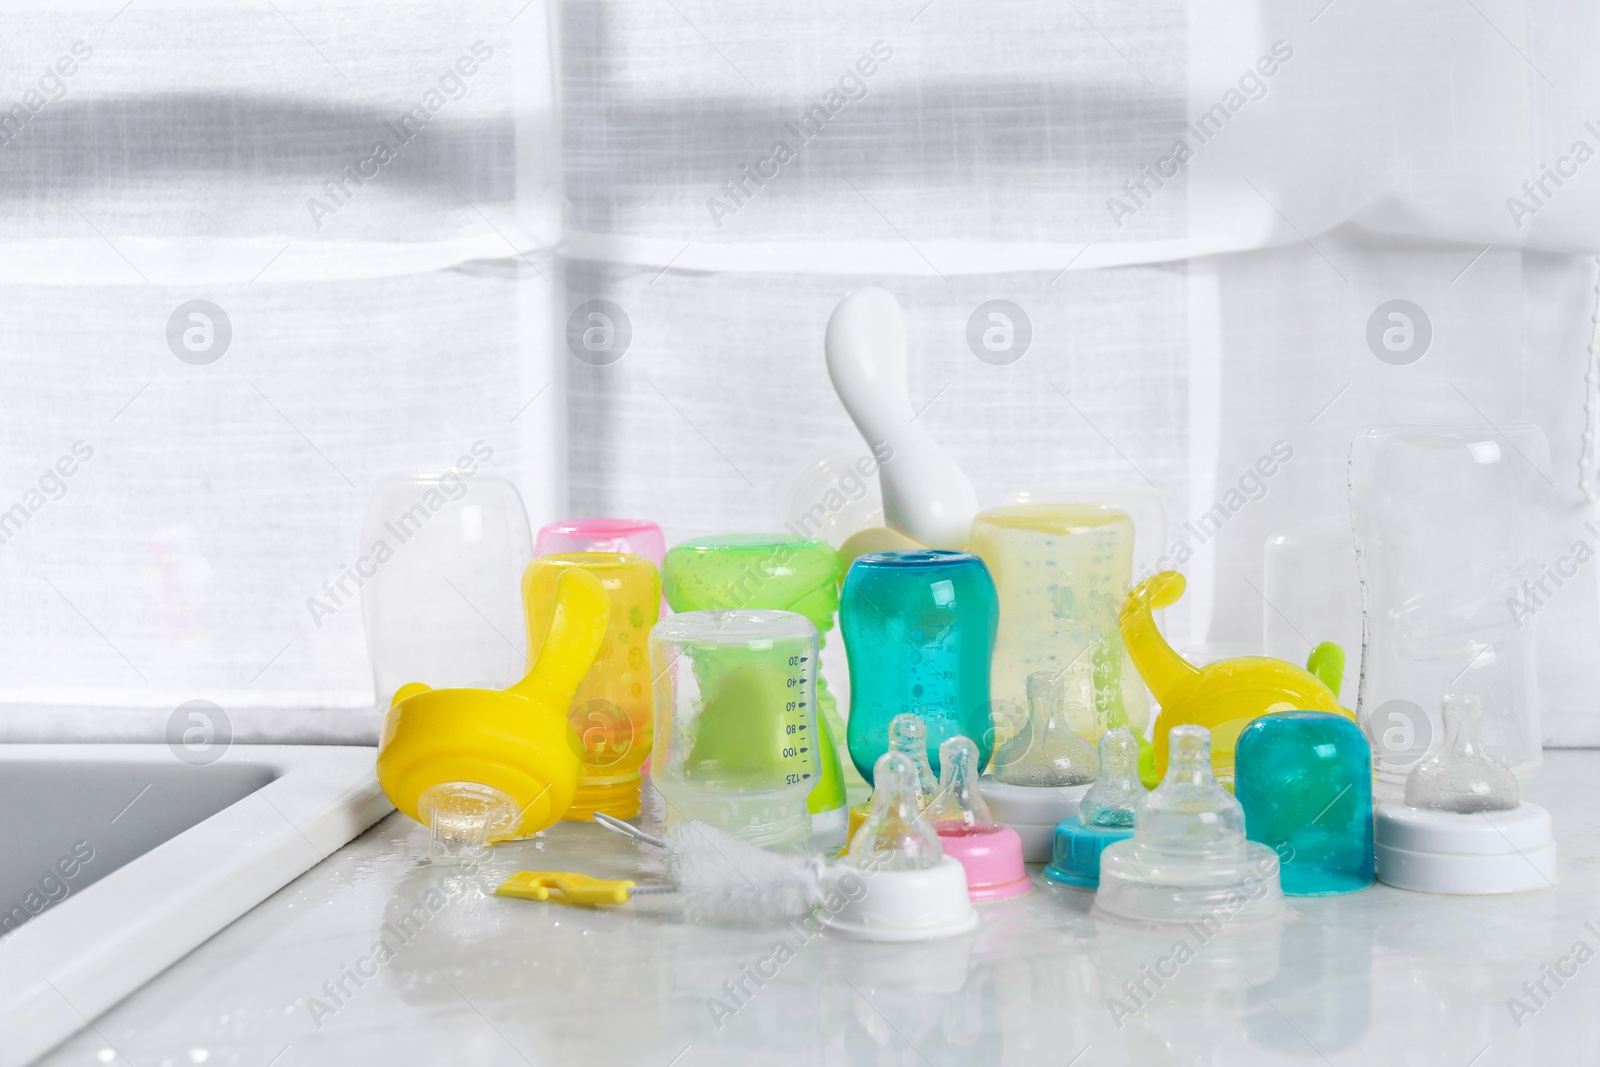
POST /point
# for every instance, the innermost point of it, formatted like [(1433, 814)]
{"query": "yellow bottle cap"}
[(514, 741)]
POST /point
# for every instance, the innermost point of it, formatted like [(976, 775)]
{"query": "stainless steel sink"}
[(120, 859)]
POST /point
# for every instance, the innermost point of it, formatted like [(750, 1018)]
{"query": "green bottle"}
[(769, 571)]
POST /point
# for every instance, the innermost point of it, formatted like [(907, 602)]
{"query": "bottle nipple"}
[(1046, 752), (463, 818), (908, 735), (1462, 777), (1189, 811), (1115, 795), (895, 836), (959, 810)]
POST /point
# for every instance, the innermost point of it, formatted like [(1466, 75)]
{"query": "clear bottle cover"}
[(959, 809), (908, 735), (439, 573), (1116, 794), (1189, 811), (1449, 526), (896, 835), (1462, 777), (1046, 751)]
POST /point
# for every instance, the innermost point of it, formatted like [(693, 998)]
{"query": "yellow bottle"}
[(484, 765), (612, 711), (1060, 571), (1224, 696)]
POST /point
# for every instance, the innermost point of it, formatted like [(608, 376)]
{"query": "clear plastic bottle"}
[(439, 566), (1449, 527), (736, 721)]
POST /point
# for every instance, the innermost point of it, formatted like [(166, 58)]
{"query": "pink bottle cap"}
[(635, 536), (993, 862)]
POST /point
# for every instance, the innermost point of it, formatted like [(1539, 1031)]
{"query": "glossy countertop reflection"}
[(372, 957)]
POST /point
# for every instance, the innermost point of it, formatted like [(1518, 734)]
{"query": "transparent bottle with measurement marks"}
[(736, 721)]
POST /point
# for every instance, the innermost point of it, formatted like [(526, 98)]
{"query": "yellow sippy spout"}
[(1165, 673), (484, 765), (1224, 696)]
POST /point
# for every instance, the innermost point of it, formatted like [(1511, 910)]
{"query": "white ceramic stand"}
[(1469, 854), (1032, 811)]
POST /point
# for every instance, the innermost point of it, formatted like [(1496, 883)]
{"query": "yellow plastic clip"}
[(565, 887)]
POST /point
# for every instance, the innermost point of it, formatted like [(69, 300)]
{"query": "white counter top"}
[(1377, 977)]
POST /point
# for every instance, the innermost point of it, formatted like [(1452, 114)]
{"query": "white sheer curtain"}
[(1187, 314), (1337, 157), (387, 310)]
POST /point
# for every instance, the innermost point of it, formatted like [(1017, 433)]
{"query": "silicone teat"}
[(908, 735), (1115, 796), (896, 835), (1462, 777), (1189, 811), (959, 810), (1046, 752), (464, 817)]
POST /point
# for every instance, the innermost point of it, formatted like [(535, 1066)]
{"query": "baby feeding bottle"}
[(483, 765), (1449, 527), (736, 724), (1463, 827), (918, 631), (915, 892), (990, 853), (1061, 572), (610, 712), (775, 571), (1105, 814)]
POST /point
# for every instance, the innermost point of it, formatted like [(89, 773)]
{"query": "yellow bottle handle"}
[(577, 629), (1163, 670)]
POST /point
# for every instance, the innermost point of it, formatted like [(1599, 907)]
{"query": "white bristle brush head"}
[(721, 879)]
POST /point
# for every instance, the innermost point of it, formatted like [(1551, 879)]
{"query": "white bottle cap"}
[(907, 905), (1464, 853)]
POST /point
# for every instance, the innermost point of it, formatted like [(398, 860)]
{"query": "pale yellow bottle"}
[(612, 712), (1061, 572)]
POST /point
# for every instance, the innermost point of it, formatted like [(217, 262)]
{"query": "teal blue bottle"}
[(1304, 779), (918, 629)]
